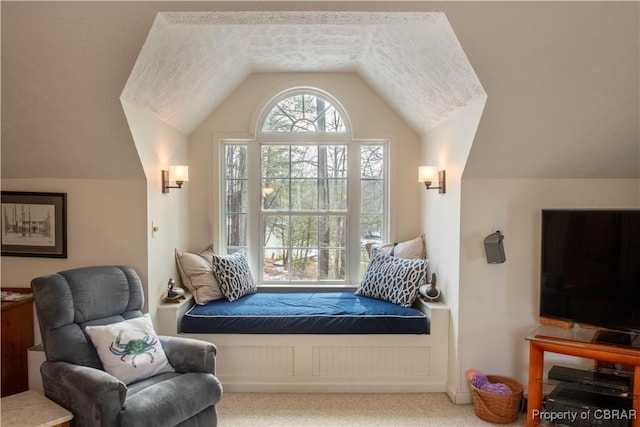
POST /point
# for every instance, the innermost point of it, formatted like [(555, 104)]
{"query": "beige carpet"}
[(353, 410)]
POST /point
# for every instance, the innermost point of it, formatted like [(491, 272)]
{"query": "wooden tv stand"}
[(575, 342)]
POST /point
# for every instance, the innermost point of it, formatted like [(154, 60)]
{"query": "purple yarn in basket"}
[(481, 382)]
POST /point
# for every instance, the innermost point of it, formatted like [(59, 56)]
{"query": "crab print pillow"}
[(130, 350)]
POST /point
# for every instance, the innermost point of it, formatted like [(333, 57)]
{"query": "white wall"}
[(498, 303), (370, 116), (105, 226), (109, 220), (563, 86), (160, 145), (447, 146)]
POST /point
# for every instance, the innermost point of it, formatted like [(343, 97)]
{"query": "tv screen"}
[(591, 267)]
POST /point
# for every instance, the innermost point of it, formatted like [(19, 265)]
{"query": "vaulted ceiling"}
[(191, 61), (561, 77)]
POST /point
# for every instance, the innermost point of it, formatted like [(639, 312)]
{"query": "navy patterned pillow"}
[(233, 274), (393, 279)]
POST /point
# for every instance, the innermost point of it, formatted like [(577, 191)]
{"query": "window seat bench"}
[(307, 353), (304, 313)]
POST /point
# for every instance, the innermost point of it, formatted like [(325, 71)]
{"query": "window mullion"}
[(254, 230), (353, 219)]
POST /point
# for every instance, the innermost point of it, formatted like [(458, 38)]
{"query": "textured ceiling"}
[(192, 61)]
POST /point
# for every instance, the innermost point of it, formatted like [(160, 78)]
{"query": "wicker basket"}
[(498, 408)]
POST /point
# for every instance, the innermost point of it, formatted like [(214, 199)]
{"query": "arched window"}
[(304, 112), (304, 197)]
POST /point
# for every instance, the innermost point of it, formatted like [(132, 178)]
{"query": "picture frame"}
[(34, 224)]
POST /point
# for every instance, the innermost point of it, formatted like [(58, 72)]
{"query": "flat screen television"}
[(591, 268)]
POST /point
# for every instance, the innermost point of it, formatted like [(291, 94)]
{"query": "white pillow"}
[(130, 350), (196, 273), (410, 249), (233, 274), (396, 280)]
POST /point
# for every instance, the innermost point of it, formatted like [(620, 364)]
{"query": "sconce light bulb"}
[(427, 174), (179, 173)]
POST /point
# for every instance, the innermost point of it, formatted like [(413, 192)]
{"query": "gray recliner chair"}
[(73, 375)]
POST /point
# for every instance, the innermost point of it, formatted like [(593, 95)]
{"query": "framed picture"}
[(34, 224)]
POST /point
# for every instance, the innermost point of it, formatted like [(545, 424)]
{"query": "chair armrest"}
[(90, 394), (190, 355)]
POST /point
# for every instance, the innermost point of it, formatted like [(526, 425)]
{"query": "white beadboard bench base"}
[(367, 363)]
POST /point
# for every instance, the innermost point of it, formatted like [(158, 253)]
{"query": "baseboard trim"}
[(459, 398), (331, 388)]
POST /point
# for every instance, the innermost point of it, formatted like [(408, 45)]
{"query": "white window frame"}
[(255, 237)]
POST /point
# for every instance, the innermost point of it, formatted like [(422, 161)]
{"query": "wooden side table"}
[(31, 409), (580, 344), (17, 337)]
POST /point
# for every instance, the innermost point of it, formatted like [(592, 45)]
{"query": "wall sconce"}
[(179, 174), (428, 174)]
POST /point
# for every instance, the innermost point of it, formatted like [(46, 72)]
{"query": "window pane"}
[(276, 244), (371, 196), (236, 196), (304, 264), (364, 261), (304, 194), (372, 161), (371, 232), (236, 230), (332, 254), (275, 194), (304, 113), (304, 241), (334, 259), (336, 160), (334, 121), (276, 264), (236, 161), (371, 228), (332, 191), (304, 231), (276, 229), (304, 161), (333, 231), (372, 199), (336, 197), (275, 161)]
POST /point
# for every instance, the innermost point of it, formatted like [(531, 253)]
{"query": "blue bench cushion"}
[(304, 313)]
